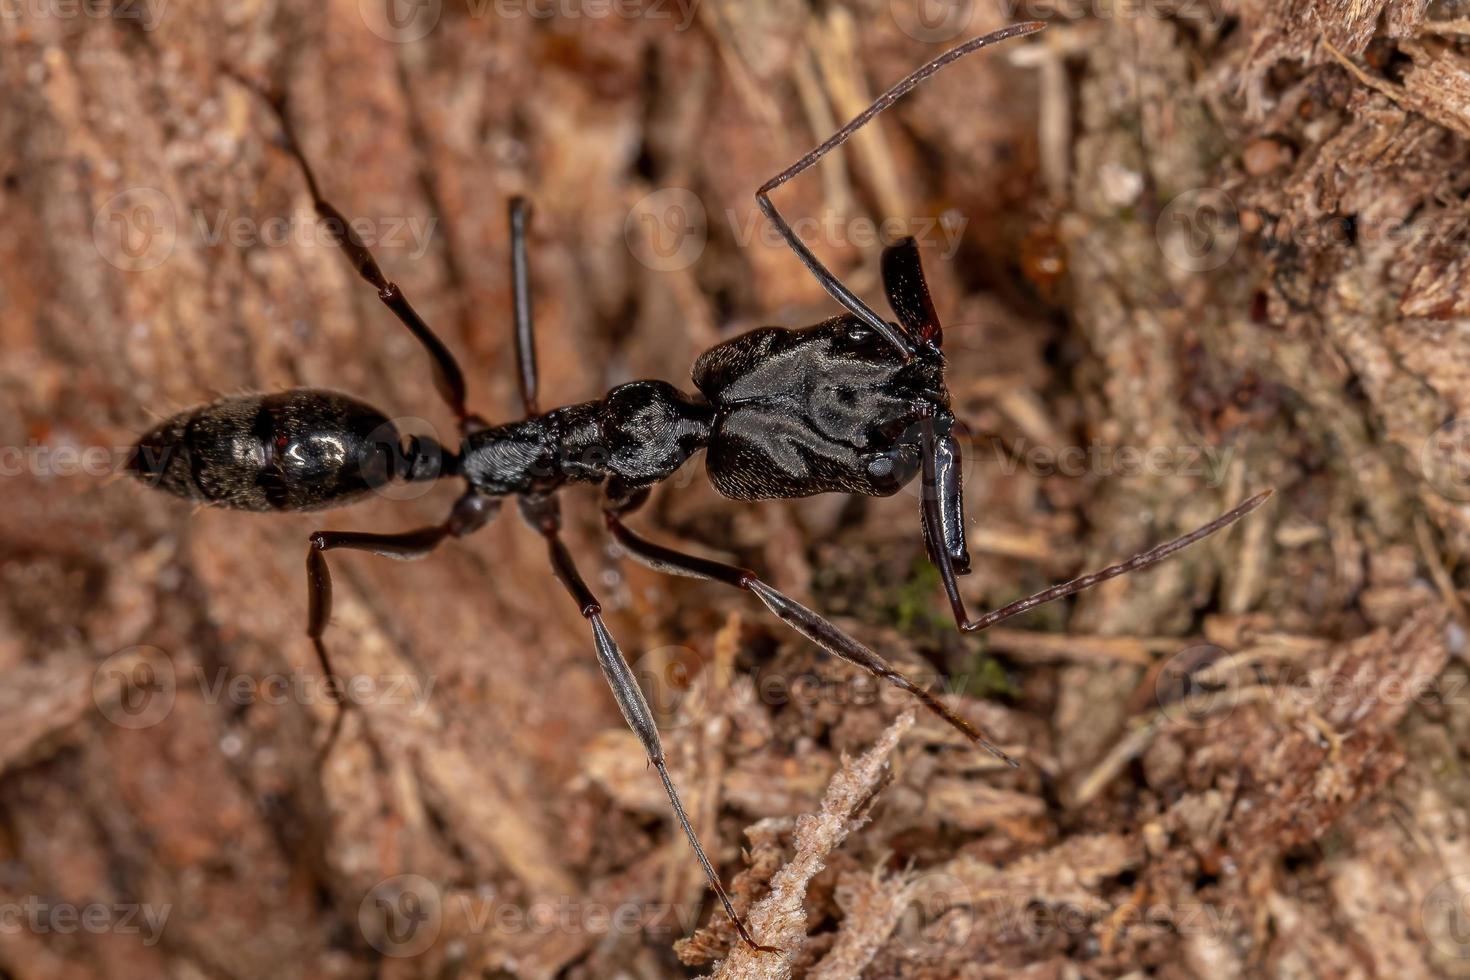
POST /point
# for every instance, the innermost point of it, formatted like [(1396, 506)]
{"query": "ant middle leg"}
[(448, 377), (470, 513), (544, 515), (815, 627)]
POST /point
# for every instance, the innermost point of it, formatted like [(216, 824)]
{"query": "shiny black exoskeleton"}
[(856, 404), (293, 450), (780, 413), (637, 435)]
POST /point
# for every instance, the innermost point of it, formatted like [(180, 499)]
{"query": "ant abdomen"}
[(302, 449)]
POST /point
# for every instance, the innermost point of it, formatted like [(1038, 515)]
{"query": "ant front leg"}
[(815, 627), (941, 504), (544, 515), (471, 512), (448, 378)]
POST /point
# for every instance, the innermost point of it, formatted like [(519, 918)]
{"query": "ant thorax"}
[(638, 435)]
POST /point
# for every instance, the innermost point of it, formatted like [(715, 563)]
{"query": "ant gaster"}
[(855, 404)]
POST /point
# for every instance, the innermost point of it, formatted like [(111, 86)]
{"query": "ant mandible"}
[(855, 404)]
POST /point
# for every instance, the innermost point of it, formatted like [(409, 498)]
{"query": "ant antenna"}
[(834, 286)]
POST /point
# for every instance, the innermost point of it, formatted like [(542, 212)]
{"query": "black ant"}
[(855, 404)]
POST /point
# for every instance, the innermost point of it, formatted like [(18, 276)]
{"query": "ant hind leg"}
[(544, 516), (471, 512)]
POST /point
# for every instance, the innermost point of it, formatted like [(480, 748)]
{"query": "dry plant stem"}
[(780, 918), (877, 907), (1136, 741), (1437, 571)]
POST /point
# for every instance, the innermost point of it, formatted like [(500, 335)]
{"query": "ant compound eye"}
[(880, 468), (857, 332)]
